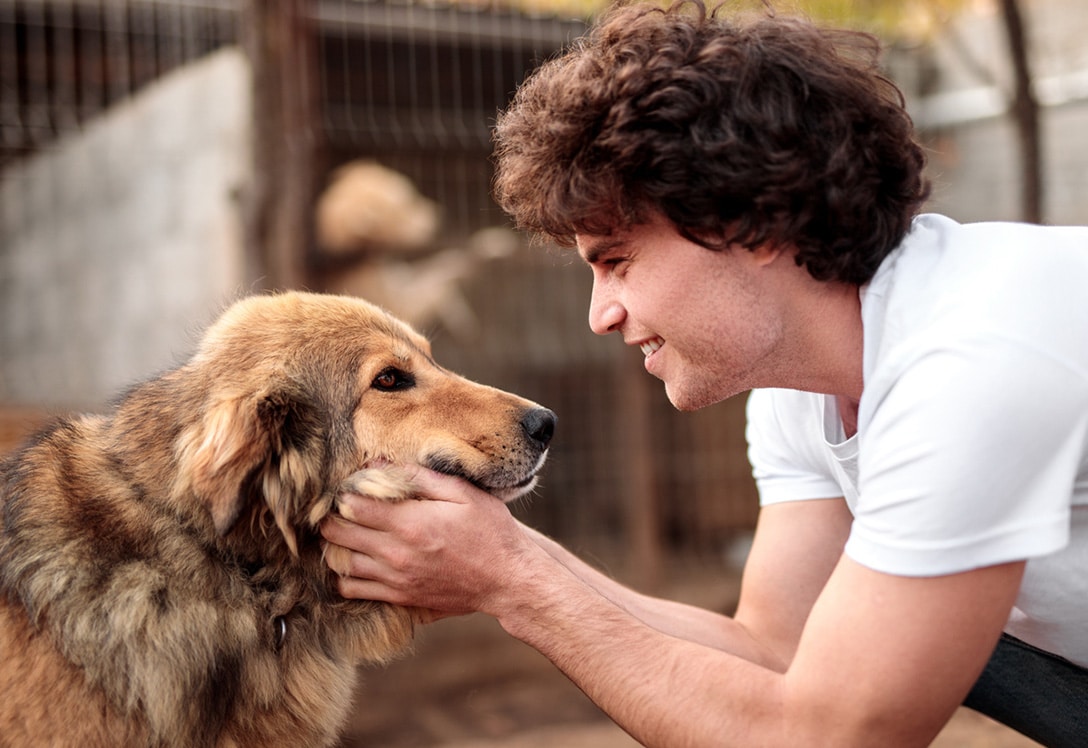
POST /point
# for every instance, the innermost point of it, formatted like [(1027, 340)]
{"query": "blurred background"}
[(159, 158)]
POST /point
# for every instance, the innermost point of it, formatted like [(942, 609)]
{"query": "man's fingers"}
[(367, 589), (359, 575), (442, 487), (348, 563), (338, 558), (343, 529), (366, 511)]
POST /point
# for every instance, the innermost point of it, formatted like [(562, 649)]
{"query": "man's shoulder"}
[(948, 283)]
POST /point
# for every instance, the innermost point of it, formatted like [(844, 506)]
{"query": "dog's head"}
[(301, 390)]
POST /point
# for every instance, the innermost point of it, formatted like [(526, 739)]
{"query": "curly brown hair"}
[(739, 130)]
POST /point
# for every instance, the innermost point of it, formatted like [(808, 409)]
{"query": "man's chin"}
[(680, 398), (686, 400)]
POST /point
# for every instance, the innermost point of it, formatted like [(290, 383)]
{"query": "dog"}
[(376, 236), (369, 208), (161, 571)]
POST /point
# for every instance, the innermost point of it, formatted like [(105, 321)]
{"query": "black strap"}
[(1035, 692)]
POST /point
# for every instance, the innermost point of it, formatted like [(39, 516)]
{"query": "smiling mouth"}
[(649, 346)]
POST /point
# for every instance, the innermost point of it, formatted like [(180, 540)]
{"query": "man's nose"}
[(606, 313)]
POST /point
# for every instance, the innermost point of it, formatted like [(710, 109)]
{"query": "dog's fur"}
[(161, 574)]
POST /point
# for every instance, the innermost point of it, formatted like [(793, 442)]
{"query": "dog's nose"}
[(539, 425)]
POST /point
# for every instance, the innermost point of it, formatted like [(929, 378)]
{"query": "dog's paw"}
[(388, 483)]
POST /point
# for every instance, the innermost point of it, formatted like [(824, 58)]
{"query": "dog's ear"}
[(266, 447), (294, 474)]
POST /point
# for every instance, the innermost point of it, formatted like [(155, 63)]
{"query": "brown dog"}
[(161, 573)]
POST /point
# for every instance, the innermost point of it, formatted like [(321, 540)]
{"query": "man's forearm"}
[(884, 660), (661, 688), (682, 621)]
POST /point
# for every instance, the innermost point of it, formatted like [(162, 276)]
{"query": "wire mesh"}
[(64, 61)]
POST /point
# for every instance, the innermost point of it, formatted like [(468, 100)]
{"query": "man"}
[(746, 195)]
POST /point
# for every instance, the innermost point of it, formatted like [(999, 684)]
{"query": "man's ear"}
[(768, 252), (252, 448)]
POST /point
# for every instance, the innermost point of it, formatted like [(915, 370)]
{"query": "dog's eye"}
[(392, 379)]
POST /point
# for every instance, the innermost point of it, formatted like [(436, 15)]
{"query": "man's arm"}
[(794, 551), (881, 660)]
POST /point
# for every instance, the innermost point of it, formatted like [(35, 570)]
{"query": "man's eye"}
[(392, 379)]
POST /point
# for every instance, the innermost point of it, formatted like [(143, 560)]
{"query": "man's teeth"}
[(650, 346)]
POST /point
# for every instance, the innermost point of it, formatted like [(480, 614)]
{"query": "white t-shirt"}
[(972, 437)]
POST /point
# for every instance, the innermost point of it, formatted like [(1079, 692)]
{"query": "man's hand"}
[(447, 554)]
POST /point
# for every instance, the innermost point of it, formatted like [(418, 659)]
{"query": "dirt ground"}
[(469, 685)]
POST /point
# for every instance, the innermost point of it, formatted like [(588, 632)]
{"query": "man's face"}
[(703, 319)]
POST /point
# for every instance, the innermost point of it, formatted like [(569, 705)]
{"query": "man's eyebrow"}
[(595, 251)]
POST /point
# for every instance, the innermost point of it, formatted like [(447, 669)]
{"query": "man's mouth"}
[(649, 346)]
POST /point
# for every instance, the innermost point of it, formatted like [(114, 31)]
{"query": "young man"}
[(746, 195)]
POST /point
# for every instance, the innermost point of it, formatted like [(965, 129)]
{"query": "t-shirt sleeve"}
[(785, 462), (970, 459)]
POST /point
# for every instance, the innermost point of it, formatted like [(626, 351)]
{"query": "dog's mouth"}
[(503, 483), (510, 493)]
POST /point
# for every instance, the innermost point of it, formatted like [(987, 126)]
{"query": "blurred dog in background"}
[(377, 237)]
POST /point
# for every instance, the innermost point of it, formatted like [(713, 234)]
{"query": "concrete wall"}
[(119, 243)]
